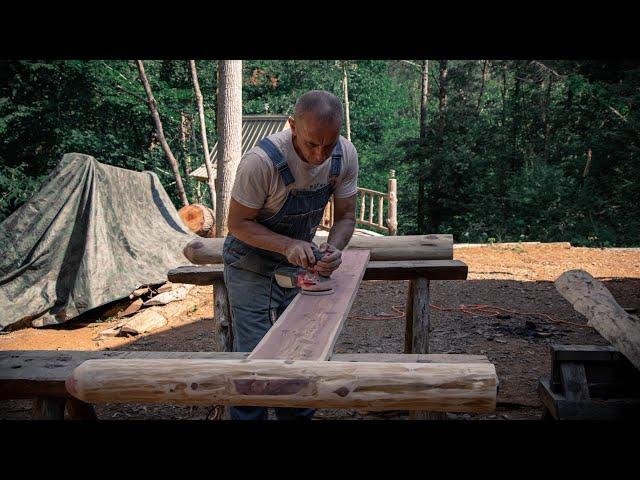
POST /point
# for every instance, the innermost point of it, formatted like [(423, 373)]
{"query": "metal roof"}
[(254, 129)]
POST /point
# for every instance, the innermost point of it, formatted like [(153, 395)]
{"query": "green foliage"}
[(508, 166)]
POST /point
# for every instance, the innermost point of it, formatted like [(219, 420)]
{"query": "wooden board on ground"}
[(310, 325), (451, 387)]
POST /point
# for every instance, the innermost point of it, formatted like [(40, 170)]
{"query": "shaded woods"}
[(506, 150)]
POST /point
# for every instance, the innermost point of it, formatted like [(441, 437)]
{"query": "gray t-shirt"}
[(259, 185)]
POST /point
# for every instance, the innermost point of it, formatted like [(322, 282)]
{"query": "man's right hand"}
[(300, 253)]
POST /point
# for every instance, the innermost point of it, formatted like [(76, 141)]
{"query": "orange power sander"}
[(309, 281)]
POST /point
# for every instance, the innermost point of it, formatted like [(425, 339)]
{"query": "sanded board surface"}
[(310, 325)]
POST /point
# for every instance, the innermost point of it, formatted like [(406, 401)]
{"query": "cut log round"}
[(199, 218), (405, 247), (460, 387)]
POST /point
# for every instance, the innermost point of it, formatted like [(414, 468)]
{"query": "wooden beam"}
[(467, 387), (591, 298), (29, 373), (376, 270), (310, 325), (205, 251)]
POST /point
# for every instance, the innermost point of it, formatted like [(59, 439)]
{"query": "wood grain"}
[(310, 325), (466, 387)]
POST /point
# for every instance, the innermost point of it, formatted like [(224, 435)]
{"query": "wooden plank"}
[(376, 270), (465, 387), (591, 298), (28, 373), (310, 325), (574, 382), (584, 353), (562, 409), (206, 251)]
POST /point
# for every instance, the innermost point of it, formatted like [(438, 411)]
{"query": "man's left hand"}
[(330, 261)]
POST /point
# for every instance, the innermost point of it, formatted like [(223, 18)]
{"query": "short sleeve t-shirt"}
[(259, 185)]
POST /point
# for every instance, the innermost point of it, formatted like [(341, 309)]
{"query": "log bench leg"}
[(224, 325), (222, 317), (48, 408), (417, 328), (79, 410)]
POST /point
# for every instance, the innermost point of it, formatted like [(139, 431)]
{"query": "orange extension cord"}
[(479, 309)]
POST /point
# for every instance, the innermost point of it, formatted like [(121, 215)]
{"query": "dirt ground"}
[(514, 277)]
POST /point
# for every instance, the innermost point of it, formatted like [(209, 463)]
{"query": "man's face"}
[(314, 140)]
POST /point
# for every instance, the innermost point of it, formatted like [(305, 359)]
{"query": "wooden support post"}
[(222, 317), (370, 208), (392, 221), (417, 330), (362, 205), (79, 410), (48, 408)]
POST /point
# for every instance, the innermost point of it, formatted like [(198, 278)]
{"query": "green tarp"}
[(91, 235)]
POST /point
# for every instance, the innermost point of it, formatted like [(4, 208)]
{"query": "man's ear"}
[(292, 125)]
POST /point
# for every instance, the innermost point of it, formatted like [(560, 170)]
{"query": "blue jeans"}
[(249, 294)]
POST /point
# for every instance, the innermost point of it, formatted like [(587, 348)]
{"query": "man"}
[(281, 189)]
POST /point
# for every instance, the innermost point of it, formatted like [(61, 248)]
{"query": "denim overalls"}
[(248, 271)]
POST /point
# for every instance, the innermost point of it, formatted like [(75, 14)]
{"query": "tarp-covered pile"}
[(91, 235)]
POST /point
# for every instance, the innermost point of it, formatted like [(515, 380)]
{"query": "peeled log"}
[(450, 387), (592, 299), (199, 218), (204, 251)]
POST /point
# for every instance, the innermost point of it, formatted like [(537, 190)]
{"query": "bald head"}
[(321, 106)]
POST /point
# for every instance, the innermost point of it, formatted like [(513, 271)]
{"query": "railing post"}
[(392, 221)]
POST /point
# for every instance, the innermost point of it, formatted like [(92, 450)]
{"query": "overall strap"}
[(278, 161), (336, 161)]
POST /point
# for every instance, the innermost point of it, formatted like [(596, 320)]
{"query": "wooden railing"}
[(370, 209)]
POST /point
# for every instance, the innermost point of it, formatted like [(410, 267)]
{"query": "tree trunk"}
[(424, 99), (435, 195), (229, 137), (203, 133), (345, 89), (185, 129), (546, 125), (485, 75), (153, 106)]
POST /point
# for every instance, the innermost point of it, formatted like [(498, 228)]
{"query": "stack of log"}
[(138, 318)]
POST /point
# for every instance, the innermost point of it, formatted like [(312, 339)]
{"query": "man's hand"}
[(300, 253), (330, 261)]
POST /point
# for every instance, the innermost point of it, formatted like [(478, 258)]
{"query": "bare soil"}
[(518, 278)]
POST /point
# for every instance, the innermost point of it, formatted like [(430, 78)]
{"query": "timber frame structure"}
[(293, 365)]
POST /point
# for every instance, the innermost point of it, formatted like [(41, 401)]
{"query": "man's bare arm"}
[(344, 210), (344, 215), (242, 225)]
